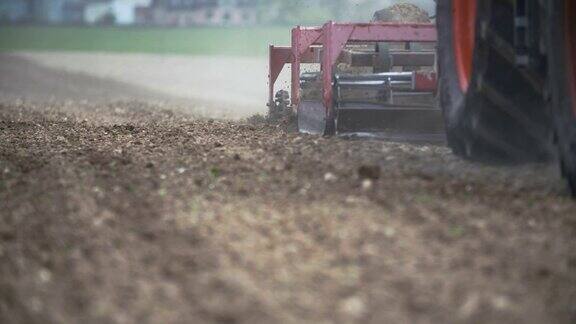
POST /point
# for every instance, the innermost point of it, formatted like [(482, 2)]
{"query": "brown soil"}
[(129, 212), (402, 12), (135, 213)]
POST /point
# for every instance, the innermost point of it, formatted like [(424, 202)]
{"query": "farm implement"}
[(507, 87), (373, 78)]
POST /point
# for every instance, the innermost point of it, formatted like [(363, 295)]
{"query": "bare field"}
[(131, 211), (209, 84)]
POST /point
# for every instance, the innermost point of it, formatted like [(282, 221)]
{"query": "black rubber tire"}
[(562, 100), (501, 118), (331, 121)]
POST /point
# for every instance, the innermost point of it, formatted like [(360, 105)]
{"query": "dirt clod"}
[(371, 172)]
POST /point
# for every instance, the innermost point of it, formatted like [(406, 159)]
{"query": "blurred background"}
[(174, 49)]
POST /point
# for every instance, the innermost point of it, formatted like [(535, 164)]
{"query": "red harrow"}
[(397, 78)]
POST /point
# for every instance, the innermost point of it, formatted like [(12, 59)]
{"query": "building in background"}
[(48, 11), (199, 13), (130, 12), (103, 12), (99, 12), (125, 10), (89, 12), (184, 13), (35, 11), (73, 13), (13, 11)]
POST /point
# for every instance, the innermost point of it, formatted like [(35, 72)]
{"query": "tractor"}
[(507, 80), (496, 79)]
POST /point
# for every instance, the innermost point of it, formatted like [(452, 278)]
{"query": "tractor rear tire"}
[(561, 41), (493, 111)]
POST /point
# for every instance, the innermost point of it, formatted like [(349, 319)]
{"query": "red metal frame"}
[(332, 38), (425, 81)]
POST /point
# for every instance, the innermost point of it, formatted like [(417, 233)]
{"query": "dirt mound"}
[(402, 12)]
